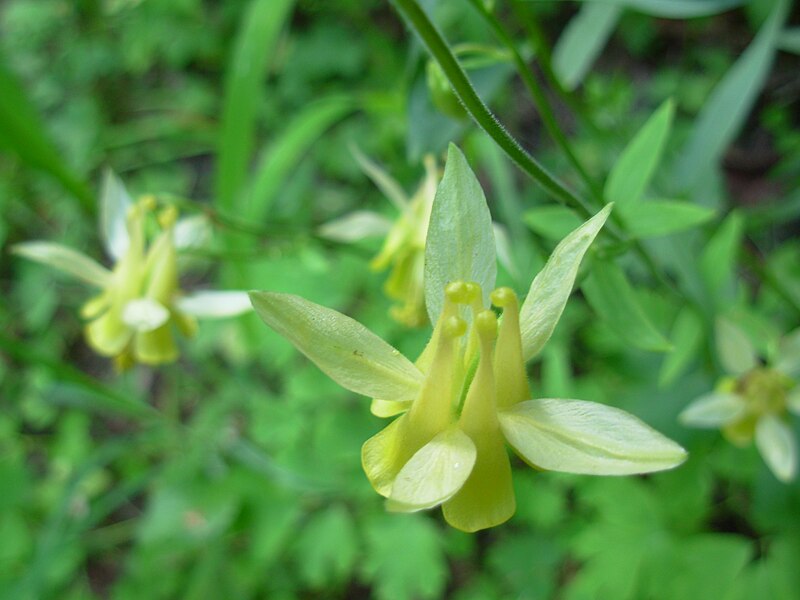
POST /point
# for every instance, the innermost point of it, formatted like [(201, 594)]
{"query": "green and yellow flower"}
[(754, 401), (139, 305), (466, 397)]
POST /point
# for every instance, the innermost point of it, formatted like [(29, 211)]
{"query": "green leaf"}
[(612, 297), (460, 244), (342, 348), (327, 548), (735, 350), (654, 218), (575, 436), (258, 32), (67, 260), (789, 40), (435, 472), (553, 222), (687, 337), (281, 157), (583, 40), (23, 134), (727, 108), (718, 260), (634, 169), (551, 288)]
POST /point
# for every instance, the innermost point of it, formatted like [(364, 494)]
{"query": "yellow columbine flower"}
[(754, 400), (467, 394), (140, 303)]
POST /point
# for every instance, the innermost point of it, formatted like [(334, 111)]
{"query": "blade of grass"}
[(258, 33)]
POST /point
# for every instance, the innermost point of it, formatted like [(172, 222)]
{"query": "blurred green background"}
[(235, 473)]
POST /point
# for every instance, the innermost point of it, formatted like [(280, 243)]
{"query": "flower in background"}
[(140, 304), (754, 400), (467, 395)]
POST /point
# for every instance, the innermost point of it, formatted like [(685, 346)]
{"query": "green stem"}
[(480, 113), (539, 99)]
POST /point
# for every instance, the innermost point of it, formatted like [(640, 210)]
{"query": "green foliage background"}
[(236, 472)]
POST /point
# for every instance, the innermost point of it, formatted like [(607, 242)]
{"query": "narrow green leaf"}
[(575, 436), (552, 222), (460, 244), (614, 300), (281, 157), (726, 109), (341, 347), (687, 337), (719, 257), (23, 134), (583, 40), (634, 169), (654, 218), (551, 288), (258, 33), (672, 9)]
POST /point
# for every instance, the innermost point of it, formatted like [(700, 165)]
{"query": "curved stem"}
[(480, 113), (539, 99)]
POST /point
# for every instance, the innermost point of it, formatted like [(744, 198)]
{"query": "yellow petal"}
[(388, 408), (382, 456), (155, 347), (107, 334)]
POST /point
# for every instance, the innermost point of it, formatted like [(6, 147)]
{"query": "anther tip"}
[(473, 291), (455, 327), (456, 291), (167, 217), (486, 323), (503, 297)]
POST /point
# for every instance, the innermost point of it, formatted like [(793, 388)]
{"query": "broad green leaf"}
[(583, 40), (718, 260), (552, 222), (713, 410), (23, 134), (281, 156), (575, 436), (776, 444), (114, 204), (734, 348), (382, 180), (67, 260), (727, 108), (355, 226), (654, 218), (673, 9), (634, 168), (687, 337), (435, 472), (214, 304), (551, 288), (258, 32), (460, 245), (612, 297), (342, 348)]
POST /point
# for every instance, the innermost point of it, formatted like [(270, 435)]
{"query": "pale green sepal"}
[(551, 288), (388, 408), (435, 472), (192, 232), (341, 347), (381, 456), (214, 304), (114, 204), (144, 314), (713, 410), (576, 436), (788, 360), (355, 226), (67, 260), (776, 444), (460, 245), (384, 182), (735, 350), (633, 170)]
